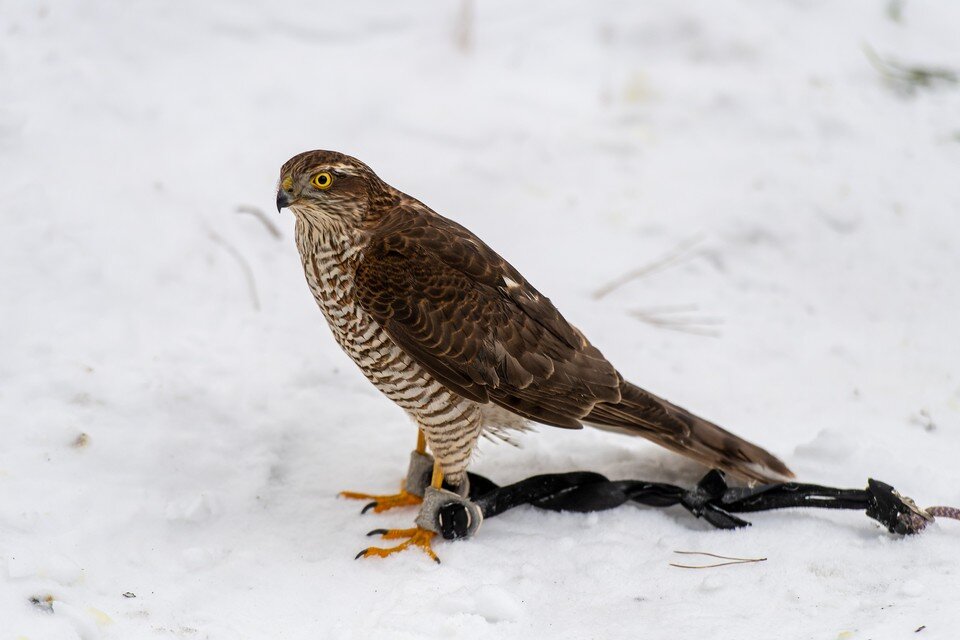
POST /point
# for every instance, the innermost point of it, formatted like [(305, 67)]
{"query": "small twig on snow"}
[(713, 555), (244, 266), (660, 317), (908, 78), (674, 256), (463, 35), (258, 213)]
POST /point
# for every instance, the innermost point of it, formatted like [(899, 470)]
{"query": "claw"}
[(395, 534), (414, 537), (384, 502)]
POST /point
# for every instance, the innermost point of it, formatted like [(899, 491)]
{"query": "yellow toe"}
[(416, 537), (381, 503)]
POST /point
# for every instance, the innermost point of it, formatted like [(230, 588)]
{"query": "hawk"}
[(454, 335)]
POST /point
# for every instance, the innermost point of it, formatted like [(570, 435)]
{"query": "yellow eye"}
[(322, 180)]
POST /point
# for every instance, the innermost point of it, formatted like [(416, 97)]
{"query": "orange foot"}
[(380, 504), (416, 537)]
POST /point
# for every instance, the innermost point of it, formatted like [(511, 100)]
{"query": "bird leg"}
[(411, 488), (416, 537)]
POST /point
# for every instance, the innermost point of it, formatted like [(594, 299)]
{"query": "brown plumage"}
[(452, 333)]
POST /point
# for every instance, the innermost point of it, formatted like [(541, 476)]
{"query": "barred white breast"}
[(450, 423)]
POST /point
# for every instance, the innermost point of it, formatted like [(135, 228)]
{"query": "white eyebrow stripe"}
[(343, 168)]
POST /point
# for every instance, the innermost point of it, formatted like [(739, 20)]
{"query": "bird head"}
[(330, 190)]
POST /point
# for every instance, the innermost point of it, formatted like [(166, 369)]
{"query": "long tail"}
[(644, 414)]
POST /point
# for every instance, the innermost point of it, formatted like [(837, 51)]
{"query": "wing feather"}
[(471, 320)]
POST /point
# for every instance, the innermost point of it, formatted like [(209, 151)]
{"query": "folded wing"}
[(471, 320)]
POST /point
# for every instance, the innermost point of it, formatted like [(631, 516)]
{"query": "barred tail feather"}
[(644, 414)]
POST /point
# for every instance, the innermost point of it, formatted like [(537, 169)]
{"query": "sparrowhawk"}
[(453, 334)]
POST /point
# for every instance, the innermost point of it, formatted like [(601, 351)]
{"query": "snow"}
[(176, 419)]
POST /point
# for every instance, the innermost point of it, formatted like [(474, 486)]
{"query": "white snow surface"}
[(177, 428)]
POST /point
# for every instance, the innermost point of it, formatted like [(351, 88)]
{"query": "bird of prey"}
[(453, 334)]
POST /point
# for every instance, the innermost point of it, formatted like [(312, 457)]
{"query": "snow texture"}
[(176, 419)]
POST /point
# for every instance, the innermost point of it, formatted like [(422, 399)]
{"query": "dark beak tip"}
[(282, 200)]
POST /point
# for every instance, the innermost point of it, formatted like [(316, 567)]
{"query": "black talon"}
[(376, 532), (368, 507), (360, 555)]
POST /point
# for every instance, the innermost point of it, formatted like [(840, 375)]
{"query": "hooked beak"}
[(283, 200)]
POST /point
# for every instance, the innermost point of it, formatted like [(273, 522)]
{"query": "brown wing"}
[(471, 320)]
